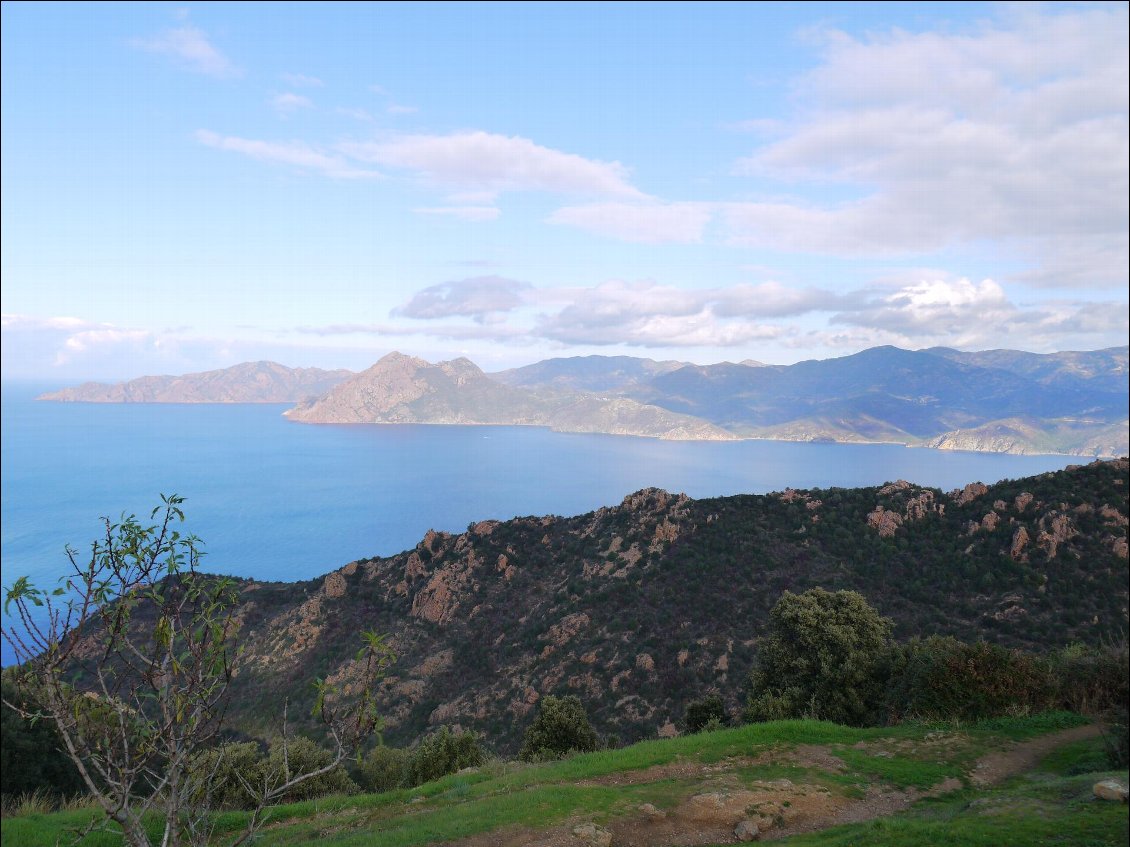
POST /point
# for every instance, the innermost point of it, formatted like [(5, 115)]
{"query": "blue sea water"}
[(279, 500)]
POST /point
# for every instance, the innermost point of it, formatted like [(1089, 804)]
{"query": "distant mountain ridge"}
[(1075, 403), (404, 389), (250, 382)]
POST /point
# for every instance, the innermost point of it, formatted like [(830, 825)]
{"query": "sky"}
[(187, 187)]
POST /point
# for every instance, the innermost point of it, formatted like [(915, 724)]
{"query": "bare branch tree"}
[(131, 659)]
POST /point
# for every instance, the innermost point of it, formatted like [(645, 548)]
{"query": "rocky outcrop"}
[(970, 493), (884, 522), (1019, 542)]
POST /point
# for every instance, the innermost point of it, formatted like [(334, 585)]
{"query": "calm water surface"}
[(279, 500)]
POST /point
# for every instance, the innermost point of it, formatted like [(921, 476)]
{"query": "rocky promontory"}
[(402, 389)]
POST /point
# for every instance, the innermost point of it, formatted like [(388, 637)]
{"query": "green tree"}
[(130, 661), (709, 711), (824, 657), (560, 727), (442, 753)]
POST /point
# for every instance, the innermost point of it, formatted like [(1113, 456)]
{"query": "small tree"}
[(561, 727), (442, 753), (131, 659), (710, 711), (824, 658)]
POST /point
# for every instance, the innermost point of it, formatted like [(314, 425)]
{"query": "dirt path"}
[(709, 818), (999, 766)]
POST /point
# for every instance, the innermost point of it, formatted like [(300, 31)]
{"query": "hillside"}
[(250, 382), (642, 607), (404, 389), (816, 783)]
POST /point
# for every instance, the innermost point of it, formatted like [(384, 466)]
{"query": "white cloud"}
[(465, 213), (288, 103), (647, 314), (400, 109), (484, 161), (482, 298), (1015, 132), (293, 153), (190, 47), (976, 316)]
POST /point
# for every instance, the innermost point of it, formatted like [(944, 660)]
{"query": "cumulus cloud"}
[(647, 314), (488, 162), (190, 47), (1018, 131), (967, 315), (482, 298), (293, 153)]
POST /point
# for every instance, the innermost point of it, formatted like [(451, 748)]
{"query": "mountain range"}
[(999, 400), (250, 382)]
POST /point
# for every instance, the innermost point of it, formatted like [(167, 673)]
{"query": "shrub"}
[(32, 761), (701, 713), (442, 753), (384, 769), (945, 679), (560, 727), (825, 657), (236, 773)]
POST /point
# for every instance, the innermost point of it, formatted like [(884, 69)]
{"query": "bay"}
[(276, 500)]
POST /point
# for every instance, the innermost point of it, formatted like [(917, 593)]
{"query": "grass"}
[(1054, 808)]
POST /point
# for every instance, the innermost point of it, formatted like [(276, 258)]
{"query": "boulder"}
[(591, 834), (1110, 789), (746, 830)]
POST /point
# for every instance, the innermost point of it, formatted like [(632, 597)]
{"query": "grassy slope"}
[(1051, 806)]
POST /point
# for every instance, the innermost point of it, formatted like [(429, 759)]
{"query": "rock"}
[(1022, 500), (1110, 789), (335, 585), (645, 662), (746, 830), (590, 833), (884, 522), (990, 521), (971, 492), (1019, 542), (652, 812)]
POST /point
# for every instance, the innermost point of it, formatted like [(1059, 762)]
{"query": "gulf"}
[(277, 500)]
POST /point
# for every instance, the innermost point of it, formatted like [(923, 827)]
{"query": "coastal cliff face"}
[(642, 607), (250, 382), (403, 389)]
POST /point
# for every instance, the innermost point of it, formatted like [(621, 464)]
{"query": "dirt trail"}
[(999, 766), (809, 808)]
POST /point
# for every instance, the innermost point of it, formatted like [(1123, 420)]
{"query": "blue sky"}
[(188, 187)]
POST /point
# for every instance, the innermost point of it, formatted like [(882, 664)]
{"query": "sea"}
[(276, 500)]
